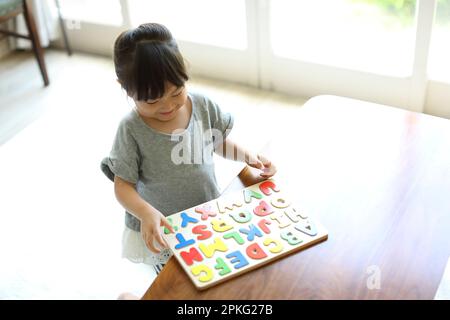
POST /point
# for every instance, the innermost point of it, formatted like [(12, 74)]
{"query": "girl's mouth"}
[(166, 113)]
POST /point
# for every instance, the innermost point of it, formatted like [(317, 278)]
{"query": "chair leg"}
[(38, 52)]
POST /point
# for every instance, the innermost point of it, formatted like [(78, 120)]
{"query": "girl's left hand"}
[(260, 162)]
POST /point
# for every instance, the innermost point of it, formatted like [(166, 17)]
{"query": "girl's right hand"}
[(150, 230)]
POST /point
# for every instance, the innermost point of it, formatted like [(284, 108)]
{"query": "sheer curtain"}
[(46, 18)]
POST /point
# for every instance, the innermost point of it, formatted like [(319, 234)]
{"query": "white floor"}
[(60, 226)]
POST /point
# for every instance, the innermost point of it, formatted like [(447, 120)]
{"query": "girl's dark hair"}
[(145, 59)]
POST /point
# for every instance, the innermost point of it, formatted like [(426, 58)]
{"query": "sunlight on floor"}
[(50, 210)]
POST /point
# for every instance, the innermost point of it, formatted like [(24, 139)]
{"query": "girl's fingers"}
[(266, 162), (268, 172), (160, 240), (266, 175), (253, 161), (268, 168), (145, 237), (256, 164), (260, 165), (151, 245), (166, 223)]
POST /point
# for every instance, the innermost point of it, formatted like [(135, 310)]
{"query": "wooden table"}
[(378, 178)]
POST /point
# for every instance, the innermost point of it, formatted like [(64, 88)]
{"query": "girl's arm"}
[(233, 151), (151, 218)]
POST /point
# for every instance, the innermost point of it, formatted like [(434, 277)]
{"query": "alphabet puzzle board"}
[(233, 234)]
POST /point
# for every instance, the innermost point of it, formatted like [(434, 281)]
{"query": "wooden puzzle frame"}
[(234, 234)]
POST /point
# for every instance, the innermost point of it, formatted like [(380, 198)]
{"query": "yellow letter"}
[(209, 250)]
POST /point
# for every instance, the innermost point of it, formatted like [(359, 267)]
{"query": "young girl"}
[(152, 178)]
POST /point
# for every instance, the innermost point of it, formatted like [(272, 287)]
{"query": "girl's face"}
[(165, 108)]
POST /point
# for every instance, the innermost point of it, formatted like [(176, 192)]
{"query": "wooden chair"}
[(12, 8)]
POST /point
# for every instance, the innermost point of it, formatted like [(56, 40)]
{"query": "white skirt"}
[(135, 250)]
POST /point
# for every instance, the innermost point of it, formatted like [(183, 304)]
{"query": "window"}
[(377, 36), (364, 49), (107, 12), (439, 61), (219, 23)]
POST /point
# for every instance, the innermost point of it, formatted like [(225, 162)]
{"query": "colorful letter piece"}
[(239, 259), (166, 231), (281, 219), (191, 255), (249, 194), (307, 227), (217, 245), (254, 251), (266, 186), (236, 236), (290, 237), (201, 268), (241, 216), (182, 241), (280, 203), (185, 219), (295, 215), (221, 238), (202, 232), (262, 224), (222, 266), (251, 232), (205, 211), (278, 246), (220, 225), (224, 205), (263, 209)]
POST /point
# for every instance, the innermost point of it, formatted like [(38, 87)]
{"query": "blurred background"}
[(60, 225), (388, 51), (382, 48)]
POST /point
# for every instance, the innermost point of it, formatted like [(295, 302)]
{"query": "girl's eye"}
[(174, 95), (177, 94)]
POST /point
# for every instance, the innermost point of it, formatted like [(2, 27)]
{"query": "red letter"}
[(190, 256), (254, 251), (266, 185), (263, 225), (203, 234), (263, 209)]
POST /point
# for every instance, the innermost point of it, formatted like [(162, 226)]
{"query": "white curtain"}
[(46, 18)]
